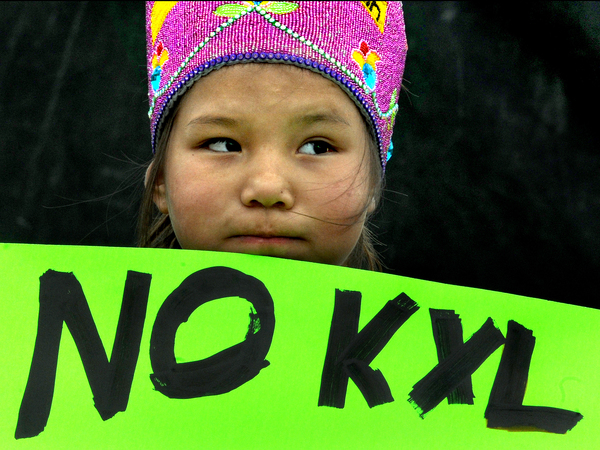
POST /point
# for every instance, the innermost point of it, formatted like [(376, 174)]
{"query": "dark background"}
[(495, 178)]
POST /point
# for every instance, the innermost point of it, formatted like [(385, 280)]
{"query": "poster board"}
[(327, 324)]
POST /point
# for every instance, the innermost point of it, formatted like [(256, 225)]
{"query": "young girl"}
[(283, 159)]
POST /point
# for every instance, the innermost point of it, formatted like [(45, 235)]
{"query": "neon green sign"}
[(151, 348)]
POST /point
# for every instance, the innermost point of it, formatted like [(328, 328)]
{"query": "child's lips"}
[(267, 245), (265, 239)]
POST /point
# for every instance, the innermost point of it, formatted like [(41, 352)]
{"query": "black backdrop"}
[(495, 178)]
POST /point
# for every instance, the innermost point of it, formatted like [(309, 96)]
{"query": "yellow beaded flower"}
[(366, 59)]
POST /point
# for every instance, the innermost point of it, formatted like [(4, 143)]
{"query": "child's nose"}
[(267, 185)]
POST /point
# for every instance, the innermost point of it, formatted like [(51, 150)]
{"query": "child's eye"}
[(316, 148), (220, 145)]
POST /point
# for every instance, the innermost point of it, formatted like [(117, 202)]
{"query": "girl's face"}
[(267, 159)]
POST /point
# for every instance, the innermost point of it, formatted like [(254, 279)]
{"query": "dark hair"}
[(155, 230)]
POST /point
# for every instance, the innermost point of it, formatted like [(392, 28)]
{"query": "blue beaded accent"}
[(248, 55), (390, 151), (263, 55)]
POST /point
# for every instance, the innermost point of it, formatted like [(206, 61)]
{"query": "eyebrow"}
[(227, 122), (306, 120), (331, 118)]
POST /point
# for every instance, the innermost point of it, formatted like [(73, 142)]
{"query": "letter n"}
[(62, 300)]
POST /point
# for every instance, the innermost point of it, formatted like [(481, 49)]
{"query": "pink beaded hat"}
[(360, 46)]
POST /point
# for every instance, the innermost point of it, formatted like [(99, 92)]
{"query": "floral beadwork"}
[(159, 57), (245, 9), (270, 7), (366, 59)]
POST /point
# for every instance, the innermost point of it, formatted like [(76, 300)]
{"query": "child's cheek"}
[(188, 210), (345, 202)]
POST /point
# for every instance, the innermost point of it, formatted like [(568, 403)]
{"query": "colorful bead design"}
[(360, 80), (366, 59), (159, 58)]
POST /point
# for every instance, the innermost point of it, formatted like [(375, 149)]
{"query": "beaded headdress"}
[(361, 46)]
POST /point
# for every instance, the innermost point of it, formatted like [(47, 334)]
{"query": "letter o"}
[(228, 369)]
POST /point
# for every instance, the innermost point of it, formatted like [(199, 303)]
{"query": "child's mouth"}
[(265, 240), (265, 243)]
